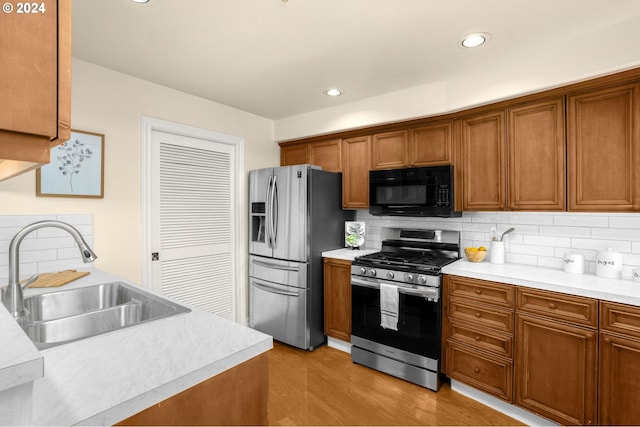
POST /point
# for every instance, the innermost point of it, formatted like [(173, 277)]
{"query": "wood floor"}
[(323, 387)]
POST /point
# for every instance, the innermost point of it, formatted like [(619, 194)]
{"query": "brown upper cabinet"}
[(389, 150), (536, 163), (431, 145), (295, 154), (482, 142), (356, 157), (603, 149), (35, 112), (327, 154)]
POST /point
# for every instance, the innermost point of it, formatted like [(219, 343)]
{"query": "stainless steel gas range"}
[(396, 304)]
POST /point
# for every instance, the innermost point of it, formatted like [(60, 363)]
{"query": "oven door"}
[(419, 318)]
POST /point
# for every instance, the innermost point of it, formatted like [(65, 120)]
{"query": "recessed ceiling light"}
[(475, 40), (140, 1), (334, 92)]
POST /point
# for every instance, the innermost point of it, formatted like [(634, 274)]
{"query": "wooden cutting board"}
[(50, 280)]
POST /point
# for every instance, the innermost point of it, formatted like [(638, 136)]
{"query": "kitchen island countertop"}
[(587, 285), (104, 379)]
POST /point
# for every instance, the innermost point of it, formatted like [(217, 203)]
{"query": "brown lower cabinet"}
[(337, 298), (572, 359), (556, 369), (479, 328), (237, 396), (619, 385)]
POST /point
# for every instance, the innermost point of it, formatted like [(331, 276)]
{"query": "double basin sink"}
[(60, 317)]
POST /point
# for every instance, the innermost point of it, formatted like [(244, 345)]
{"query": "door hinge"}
[(155, 256)]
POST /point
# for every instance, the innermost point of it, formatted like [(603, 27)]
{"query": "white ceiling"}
[(275, 58)]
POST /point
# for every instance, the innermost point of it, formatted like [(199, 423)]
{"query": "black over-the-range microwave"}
[(425, 191)]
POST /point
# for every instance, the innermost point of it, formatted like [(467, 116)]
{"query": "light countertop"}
[(104, 379), (588, 285), (348, 253)]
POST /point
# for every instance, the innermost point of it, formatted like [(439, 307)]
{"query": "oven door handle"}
[(431, 294)]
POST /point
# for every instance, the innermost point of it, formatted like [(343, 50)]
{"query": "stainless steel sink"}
[(60, 317)]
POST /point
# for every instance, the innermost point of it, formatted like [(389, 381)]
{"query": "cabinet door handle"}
[(476, 370), (607, 340), (478, 291), (552, 305)]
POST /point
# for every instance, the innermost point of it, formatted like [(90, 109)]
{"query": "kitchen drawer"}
[(488, 373), (482, 290), (495, 342), (620, 318), (569, 308), (481, 315)]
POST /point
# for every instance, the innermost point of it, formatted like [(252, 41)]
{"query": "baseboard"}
[(339, 344), (499, 405)]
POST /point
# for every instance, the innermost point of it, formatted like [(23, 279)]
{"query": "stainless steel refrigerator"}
[(295, 214)]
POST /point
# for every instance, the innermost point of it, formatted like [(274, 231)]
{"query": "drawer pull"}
[(552, 305), (478, 291), (477, 337), (476, 370), (478, 314)]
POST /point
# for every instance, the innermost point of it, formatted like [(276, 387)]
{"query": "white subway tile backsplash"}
[(616, 233), (565, 231), (46, 249), (601, 244), (563, 242), (473, 235), (580, 220), (548, 251), (540, 238), (528, 218), (487, 217), (625, 221)]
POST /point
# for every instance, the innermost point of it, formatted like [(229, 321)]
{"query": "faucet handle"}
[(29, 281)]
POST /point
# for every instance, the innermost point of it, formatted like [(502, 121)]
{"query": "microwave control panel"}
[(443, 196)]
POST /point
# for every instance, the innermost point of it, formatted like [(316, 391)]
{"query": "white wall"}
[(540, 239), (565, 61), (112, 103)]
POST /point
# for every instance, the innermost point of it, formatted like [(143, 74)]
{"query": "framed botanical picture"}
[(76, 168)]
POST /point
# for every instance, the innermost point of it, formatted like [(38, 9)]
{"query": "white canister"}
[(609, 264), (635, 275), (496, 254), (574, 263)]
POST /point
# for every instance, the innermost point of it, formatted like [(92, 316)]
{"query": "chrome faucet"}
[(12, 297)]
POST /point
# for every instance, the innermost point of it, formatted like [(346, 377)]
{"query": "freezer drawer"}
[(289, 273), (280, 311)]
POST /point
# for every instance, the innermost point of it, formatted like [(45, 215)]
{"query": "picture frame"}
[(76, 168)]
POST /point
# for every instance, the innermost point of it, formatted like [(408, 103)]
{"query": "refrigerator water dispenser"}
[(258, 219)]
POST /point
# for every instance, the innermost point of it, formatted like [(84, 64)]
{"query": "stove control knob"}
[(363, 270), (408, 277), (372, 273), (422, 280), (390, 275)]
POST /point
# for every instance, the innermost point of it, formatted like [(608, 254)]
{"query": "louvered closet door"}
[(193, 221)]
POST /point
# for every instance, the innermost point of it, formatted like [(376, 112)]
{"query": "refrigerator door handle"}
[(275, 266), (275, 290), (268, 213), (274, 212)]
